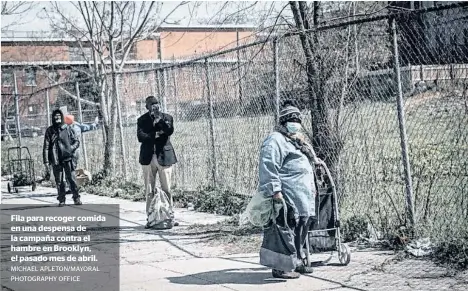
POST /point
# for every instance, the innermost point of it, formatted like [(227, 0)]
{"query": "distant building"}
[(36, 58)]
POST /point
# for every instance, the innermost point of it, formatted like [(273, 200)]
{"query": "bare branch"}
[(16, 7)]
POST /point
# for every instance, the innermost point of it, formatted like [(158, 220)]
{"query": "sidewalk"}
[(168, 260)]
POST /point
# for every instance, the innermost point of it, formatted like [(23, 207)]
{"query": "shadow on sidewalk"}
[(258, 276)]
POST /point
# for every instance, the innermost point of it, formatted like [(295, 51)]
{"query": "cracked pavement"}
[(174, 260)]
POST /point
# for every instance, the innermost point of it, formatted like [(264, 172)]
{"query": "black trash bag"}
[(278, 251)]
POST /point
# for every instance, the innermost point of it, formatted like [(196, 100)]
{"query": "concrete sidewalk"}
[(168, 260)]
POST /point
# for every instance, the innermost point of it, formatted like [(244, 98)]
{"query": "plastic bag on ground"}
[(161, 214)]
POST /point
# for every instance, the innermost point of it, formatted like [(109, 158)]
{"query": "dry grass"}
[(371, 171)]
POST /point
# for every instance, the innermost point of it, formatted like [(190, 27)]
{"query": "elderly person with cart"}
[(286, 174)]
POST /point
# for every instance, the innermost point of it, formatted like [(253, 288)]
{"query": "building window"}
[(7, 78), (30, 77), (33, 109), (54, 76), (143, 77), (80, 54)]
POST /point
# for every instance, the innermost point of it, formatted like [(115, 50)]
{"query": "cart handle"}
[(19, 148)]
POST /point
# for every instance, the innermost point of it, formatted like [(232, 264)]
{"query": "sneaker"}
[(304, 270), (77, 201), (285, 275)]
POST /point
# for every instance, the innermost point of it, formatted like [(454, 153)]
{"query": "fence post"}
[(158, 84), (154, 83), (402, 126), (176, 98), (17, 117), (212, 137), (164, 90), (277, 83), (80, 116), (48, 107), (119, 116), (239, 73)]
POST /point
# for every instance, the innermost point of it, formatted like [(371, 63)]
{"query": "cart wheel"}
[(9, 187), (344, 254), (34, 186)]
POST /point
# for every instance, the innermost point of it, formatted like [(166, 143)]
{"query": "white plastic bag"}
[(259, 211), (160, 214)]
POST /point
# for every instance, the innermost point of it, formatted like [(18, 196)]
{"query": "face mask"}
[(293, 127), (58, 119)]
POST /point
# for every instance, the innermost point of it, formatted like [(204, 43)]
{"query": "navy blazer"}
[(162, 145)]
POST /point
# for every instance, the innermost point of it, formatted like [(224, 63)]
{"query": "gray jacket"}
[(76, 128), (282, 167)]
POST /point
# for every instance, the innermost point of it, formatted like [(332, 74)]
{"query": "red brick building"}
[(34, 59)]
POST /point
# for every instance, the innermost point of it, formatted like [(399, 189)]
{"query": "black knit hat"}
[(57, 111), (290, 112)]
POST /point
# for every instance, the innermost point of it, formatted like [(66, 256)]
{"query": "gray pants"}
[(75, 165)]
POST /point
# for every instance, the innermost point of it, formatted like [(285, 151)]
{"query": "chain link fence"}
[(224, 105)]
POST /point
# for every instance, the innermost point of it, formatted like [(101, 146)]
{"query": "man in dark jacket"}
[(60, 144), (157, 155)]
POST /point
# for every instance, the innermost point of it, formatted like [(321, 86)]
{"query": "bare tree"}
[(17, 9), (109, 31), (317, 74)]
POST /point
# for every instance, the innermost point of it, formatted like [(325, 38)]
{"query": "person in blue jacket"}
[(286, 172), (78, 128)]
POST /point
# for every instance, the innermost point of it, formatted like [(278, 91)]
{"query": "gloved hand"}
[(46, 172), (157, 118)]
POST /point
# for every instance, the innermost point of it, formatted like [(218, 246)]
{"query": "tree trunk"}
[(109, 131), (324, 139), (109, 147), (111, 128)]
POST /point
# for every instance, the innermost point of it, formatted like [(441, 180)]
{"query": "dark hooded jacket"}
[(60, 142)]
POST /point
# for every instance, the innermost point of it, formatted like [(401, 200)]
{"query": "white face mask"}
[(293, 127)]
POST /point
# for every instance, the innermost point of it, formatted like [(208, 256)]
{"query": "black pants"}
[(300, 227), (67, 169)]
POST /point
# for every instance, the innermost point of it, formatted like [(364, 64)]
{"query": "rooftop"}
[(18, 35)]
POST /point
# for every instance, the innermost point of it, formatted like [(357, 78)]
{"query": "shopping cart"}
[(20, 168), (324, 233)]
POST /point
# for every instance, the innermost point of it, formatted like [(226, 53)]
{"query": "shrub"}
[(212, 200)]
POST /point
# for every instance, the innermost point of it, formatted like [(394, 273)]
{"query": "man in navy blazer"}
[(157, 156)]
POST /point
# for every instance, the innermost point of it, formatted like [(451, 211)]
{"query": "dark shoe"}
[(61, 203), (147, 226), (285, 275), (77, 201), (68, 192), (304, 270), (176, 223)]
